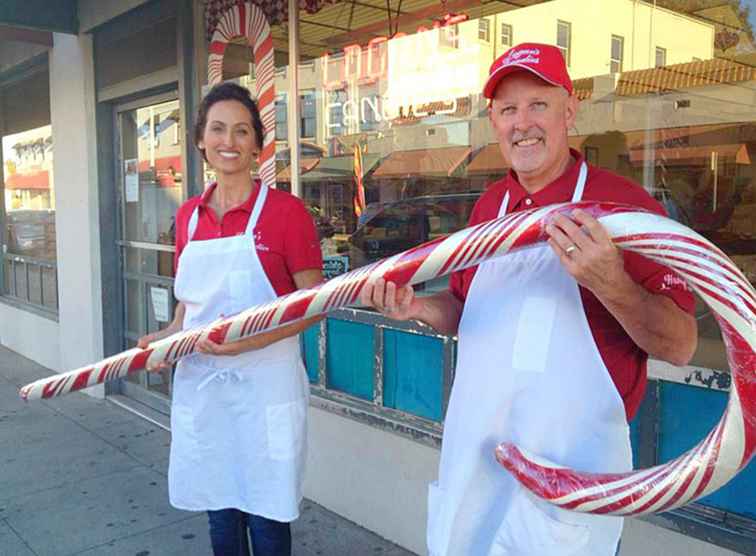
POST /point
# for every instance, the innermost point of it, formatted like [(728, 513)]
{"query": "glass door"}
[(151, 188)]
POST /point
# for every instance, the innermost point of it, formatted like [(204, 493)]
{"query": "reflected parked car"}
[(397, 226), (31, 233)]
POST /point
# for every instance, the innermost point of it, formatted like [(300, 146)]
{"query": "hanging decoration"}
[(276, 11)]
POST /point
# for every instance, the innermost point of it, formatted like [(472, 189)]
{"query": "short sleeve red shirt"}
[(285, 234), (625, 361)]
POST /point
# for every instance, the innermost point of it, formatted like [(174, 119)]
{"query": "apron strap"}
[(259, 202), (192, 226), (504, 205), (580, 185)]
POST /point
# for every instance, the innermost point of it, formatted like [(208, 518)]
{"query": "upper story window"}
[(564, 38), (617, 54), (308, 114), (484, 29), (661, 57), (506, 35), (308, 119), (282, 131), (449, 36)]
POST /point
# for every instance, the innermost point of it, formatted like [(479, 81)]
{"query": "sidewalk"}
[(83, 476)]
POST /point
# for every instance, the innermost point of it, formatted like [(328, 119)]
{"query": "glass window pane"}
[(401, 123), (506, 34), (152, 182), (29, 193)]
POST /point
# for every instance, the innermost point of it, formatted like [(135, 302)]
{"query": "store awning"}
[(60, 16), (693, 156), (488, 162), (683, 76), (339, 168), (423, 163), (32, 180), (305, 165)]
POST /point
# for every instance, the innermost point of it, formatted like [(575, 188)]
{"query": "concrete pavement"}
[(80, 476)]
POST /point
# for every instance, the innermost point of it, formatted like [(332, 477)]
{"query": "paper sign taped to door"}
[(131, 179), (161, 306)]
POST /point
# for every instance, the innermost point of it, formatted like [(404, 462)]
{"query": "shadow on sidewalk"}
[(84, 476)]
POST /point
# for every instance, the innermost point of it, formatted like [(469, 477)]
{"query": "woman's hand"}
[(176, 325), (145, 341)]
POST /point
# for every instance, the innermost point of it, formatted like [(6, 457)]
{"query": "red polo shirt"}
[(625, 361), (285, 234)]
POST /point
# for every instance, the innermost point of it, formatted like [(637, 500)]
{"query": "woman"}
[(238, 415)]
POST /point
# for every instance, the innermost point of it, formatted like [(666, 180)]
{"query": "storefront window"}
[(666, 101), (29, 235)]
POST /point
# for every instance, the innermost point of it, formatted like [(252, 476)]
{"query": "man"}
[(553, 341)]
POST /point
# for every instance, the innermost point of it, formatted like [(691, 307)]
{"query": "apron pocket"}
[(533, 334), (286, 426), (528, 529), (438, 530), (240, 286)]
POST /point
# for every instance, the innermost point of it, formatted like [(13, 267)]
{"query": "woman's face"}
[(229, 139)]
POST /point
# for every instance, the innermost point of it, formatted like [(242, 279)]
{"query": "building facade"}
[(97, 106)]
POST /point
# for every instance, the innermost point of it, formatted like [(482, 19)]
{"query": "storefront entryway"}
[(151, 188)]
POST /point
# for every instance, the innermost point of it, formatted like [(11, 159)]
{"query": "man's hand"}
[(395, 303), (588, 253), (654, 322)]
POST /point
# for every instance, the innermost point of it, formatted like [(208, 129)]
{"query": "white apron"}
[(238, 423), (529, 372)]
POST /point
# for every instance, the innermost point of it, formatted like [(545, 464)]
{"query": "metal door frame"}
[(138, 392)]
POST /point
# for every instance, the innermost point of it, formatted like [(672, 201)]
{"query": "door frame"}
[(137, 392)]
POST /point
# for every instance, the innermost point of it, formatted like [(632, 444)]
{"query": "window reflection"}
[(30, 193), (666, 93)]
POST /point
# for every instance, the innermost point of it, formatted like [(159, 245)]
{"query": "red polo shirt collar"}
[(246, 206), (558, 191)]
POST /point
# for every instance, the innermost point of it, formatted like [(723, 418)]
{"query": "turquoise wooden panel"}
[(310, 339), (688, 413), (413, 373), (349, 358)]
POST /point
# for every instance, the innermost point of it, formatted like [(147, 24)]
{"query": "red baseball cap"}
[(543, 60)]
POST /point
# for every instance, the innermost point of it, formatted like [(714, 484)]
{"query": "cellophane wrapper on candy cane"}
[(713, 462)]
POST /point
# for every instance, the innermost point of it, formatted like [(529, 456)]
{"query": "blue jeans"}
[(228, 534)]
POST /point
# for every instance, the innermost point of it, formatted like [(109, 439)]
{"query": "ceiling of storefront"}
[(358, 21), (59, 16)]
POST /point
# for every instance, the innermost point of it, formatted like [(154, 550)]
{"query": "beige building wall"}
[(593, 22)]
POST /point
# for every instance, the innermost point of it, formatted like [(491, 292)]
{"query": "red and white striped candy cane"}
[(248, 20), (718, 458), (727, 448)]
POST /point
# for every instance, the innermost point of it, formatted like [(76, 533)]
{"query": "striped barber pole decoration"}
[(708, 271), (248, 20)]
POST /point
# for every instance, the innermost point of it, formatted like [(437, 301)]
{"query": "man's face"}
[(530, 119)]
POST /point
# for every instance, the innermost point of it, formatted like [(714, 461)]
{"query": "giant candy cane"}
[(248, 20), (716, 460)]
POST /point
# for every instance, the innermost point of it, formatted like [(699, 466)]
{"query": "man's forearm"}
[(442, 311), (264, 339), (654, 322)]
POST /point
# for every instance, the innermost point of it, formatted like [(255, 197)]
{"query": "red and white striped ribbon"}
[(248, 20), (718, 458)]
